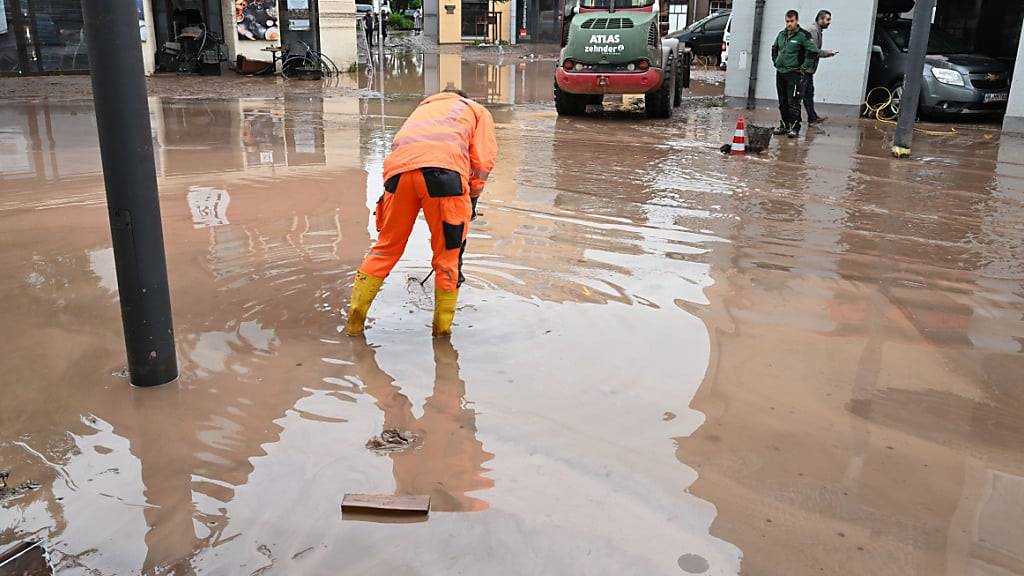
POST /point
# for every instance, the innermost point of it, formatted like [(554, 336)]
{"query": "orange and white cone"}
[(739, 140)]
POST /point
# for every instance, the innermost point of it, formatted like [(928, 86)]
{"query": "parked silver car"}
[(955, 83)]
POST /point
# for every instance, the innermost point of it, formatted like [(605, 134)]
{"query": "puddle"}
[(657, 347)]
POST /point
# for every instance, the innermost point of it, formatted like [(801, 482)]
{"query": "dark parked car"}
[(955, 81), (704, 37)]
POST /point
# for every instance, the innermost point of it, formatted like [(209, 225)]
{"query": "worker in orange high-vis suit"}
[(439, 162)]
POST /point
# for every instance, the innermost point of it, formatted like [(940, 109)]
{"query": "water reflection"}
[(266, 216), (847, 305), (511, 80), (447, 460), (160, 466), (855, 291)]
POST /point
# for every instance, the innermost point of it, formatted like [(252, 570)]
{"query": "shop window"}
[(474, 18), (46, 37), (719, 5), (42, 37)]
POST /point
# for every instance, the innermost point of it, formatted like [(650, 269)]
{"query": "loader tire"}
[(658, 104), (681, 70), (569, 104)]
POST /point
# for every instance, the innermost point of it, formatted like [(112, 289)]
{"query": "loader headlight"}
[(950, 77)]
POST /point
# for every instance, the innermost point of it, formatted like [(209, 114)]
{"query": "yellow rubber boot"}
[(363, 292), (444, 310)]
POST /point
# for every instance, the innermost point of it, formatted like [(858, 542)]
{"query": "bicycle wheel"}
[(293, 63), (332, 67)]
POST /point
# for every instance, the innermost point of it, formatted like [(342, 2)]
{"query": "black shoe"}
[(782, 129), (817, 120)]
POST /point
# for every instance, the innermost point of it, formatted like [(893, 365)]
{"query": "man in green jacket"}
[(795, 55)]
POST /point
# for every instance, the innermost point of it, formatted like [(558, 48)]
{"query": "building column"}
[(430, 12), (149, 44), (449, 22), (338, 29), (1014, 120), (510, 22)]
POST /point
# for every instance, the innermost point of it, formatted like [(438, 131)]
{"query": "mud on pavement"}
[(666, 361)]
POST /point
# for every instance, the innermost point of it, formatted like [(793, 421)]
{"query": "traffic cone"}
[(739, 140)]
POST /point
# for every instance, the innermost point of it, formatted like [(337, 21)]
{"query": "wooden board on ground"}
[(386, 503)]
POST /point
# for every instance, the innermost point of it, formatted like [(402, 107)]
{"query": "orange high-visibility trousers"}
[(448, 218)]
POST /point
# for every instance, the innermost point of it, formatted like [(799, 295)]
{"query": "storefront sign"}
[(298, 15), (257, 20), (525, 25)]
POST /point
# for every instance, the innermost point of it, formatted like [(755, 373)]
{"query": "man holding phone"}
[(821, 23)]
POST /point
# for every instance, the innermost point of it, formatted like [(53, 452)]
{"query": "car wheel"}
[(897, 98)]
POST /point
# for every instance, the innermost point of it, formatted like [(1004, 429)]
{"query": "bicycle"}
[(310, 64)]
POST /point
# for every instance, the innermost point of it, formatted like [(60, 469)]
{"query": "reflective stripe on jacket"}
[(446, 131)]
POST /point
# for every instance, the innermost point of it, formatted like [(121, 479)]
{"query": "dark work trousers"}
[(809, 97), (790, 88)]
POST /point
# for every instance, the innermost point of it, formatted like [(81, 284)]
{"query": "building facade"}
[(46, 37), (476, 21), (682, 13), (841, 82)]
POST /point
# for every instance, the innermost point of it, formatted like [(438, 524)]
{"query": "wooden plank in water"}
[(386, 503)]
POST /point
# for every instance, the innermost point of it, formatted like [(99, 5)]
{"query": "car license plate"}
[(997, 97)]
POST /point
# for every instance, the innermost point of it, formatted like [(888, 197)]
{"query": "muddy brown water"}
[(665, 361)]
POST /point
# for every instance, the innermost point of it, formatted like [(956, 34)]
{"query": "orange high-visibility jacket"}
[(446, 131)]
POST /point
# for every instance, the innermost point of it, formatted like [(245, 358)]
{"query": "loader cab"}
[(613, 5), (576, 7)]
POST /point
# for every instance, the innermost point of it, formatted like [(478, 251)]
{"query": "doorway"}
[(185, 25)]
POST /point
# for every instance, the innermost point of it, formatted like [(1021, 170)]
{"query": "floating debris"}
[(8, 492), (391, 440)]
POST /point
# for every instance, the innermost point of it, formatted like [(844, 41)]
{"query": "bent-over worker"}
[(439, 162)]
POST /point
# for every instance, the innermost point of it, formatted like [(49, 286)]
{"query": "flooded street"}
[(665, 360)]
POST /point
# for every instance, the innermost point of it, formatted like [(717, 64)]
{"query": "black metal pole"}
[(755, 50), (126, 149), (920, 29)]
